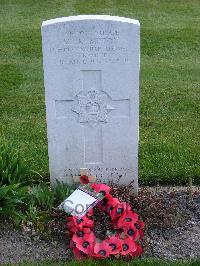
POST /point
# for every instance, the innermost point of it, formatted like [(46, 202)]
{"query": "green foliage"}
[(13, 180), (41, 196), (42, 202), (46, 198), (36, 217), (32, 212), (20, 202), (61, 191), (11, 199), (12, 169), (115, 262)]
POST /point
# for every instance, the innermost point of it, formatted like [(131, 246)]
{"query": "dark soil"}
[(171, 215)]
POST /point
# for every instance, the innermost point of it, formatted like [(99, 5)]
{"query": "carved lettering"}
[(94, 47)]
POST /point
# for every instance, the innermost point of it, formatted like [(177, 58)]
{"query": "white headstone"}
[(91, 76)]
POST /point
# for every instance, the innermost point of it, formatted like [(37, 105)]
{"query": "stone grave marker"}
[(91, 76)]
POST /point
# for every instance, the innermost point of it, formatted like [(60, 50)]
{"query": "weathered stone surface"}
[(91, 76)]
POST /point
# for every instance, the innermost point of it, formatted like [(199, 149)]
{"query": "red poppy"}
[(84, 179), (139, 225), (84, 234), (115, 243), (102, 250), (128, 245), (105, 202), (90, 212), (86, 246), (71, 244), (132, 233), (101, 188), (74, 223), (119, 210), (137, 252), (71, 224), (78, 254), (129, 230), (111, 203), (127, 220)]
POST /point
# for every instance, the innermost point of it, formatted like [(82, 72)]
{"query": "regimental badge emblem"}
[(92, 107)]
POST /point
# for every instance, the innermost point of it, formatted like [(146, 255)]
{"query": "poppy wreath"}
[(123, 240)]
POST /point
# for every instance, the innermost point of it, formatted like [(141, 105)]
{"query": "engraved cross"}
[(94, 108)]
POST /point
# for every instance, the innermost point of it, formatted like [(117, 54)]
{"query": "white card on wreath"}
[(80, 201)]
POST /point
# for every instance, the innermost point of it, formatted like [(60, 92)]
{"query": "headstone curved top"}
[(91, 75), (90, 17)]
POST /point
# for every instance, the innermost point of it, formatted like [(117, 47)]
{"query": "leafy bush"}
[(41, 212), (13, 180), (20, 201), (45, 197), (61, 191), (41, 196), (11, 199), (12, 169)]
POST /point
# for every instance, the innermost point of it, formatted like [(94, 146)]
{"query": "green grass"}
[(143, 262), (170, 70)]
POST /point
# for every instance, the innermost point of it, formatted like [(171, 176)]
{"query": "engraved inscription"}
[(92, 107), (91, 46)]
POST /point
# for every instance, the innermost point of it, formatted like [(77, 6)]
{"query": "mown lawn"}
[(143, 262), (170, 75)]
